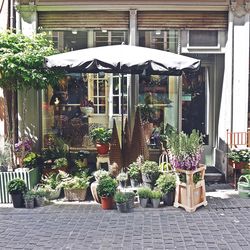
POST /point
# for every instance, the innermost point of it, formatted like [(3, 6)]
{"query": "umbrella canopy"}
[(125, 59)]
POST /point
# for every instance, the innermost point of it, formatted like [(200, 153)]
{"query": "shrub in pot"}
[(17, 188), (130, 202), (150, 173), (134, 174), (155, 197), (121, 202), (101, 137), (29, 199), (167, 183), (75, 187), (144, 195), (122, 178), (106, 190), (40, 196)]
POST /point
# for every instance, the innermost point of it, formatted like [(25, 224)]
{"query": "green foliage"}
[(101, 135), (30, 195), (41, 192), (155, 194), (144, 192), (100, 174), (122, 177), (146, 112), (30, 160), (120, 197), (22, 61), (107, 187), (130, 195), (60, 162), (54, 180), (16, 186), (166, 183), (76, 182), (239, 155), (149, 167), (134, 171)]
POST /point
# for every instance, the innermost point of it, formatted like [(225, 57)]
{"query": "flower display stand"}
[(190, 195)]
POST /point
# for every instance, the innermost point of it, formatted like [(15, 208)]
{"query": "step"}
[(213, 175)]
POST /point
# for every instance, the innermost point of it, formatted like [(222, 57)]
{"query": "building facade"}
[(213, 101)]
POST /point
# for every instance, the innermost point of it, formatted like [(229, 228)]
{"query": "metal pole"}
[(122, 85)]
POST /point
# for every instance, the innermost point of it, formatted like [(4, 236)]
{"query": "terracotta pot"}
[(102, 149), (107, 202)]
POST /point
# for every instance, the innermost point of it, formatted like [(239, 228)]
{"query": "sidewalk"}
[(223, 224)]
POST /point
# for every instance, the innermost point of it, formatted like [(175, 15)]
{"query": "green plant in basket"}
[(30, 195), (134, 171), (101, 135), (240, 155), (60, 163)]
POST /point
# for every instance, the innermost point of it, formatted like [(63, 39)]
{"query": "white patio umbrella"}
[(124, 59)]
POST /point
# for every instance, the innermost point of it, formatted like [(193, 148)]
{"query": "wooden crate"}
[(189, 195)]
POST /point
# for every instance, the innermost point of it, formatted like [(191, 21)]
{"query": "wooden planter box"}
[(75, 194), (189, 195), (31, 178)]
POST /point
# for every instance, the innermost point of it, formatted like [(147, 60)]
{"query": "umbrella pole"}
[(122, 87)]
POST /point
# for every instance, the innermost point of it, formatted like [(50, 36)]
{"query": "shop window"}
[(117, 94), (113, 37), (203, 38)]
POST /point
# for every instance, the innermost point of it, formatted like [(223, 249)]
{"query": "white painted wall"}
[(3, 15)]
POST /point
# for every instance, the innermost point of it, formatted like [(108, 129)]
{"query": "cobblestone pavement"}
[(223, 224)]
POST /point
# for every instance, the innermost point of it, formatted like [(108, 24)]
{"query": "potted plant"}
[(150, 173), (121, 202), (122, 178), (60, 164), (239, 158), (30, 160), (155, 196), (75, 187), (134, 174), (130, 201), (100, 173), (185, 154), (29, 199), (40, 196), (16, 188), (106, 190), (101, 137), (167, 183), (144, 195)]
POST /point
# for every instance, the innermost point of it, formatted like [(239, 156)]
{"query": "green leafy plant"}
[(147, 112), (76, 182), (120, 197), (185, 150), (16, 186), (41, 192), (166, 183), (144, 192), (122, 177), (130, 195), (30, 195), (100, 174), (134, 171), (150, 169), (107, 187), (239, 155), (101, 135), (60, 163), (30, 160), (155, 194)]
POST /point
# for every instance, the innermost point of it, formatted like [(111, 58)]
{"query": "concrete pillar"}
[(240, 73), (133, 86)]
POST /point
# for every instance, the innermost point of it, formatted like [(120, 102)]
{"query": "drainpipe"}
[(11, 3)]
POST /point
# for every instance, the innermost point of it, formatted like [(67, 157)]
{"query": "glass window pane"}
[(116, 105), (203, 38), (102, 110), (116, 85)]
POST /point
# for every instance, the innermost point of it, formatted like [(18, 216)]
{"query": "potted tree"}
[(106, 190), (144, 195), (130, 201), (75, 188), (121, 202), (167, 183), (155, 196), (101, 137), (150, 173), (40, 196), (134, 174), (185, 154), (17, 188)]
